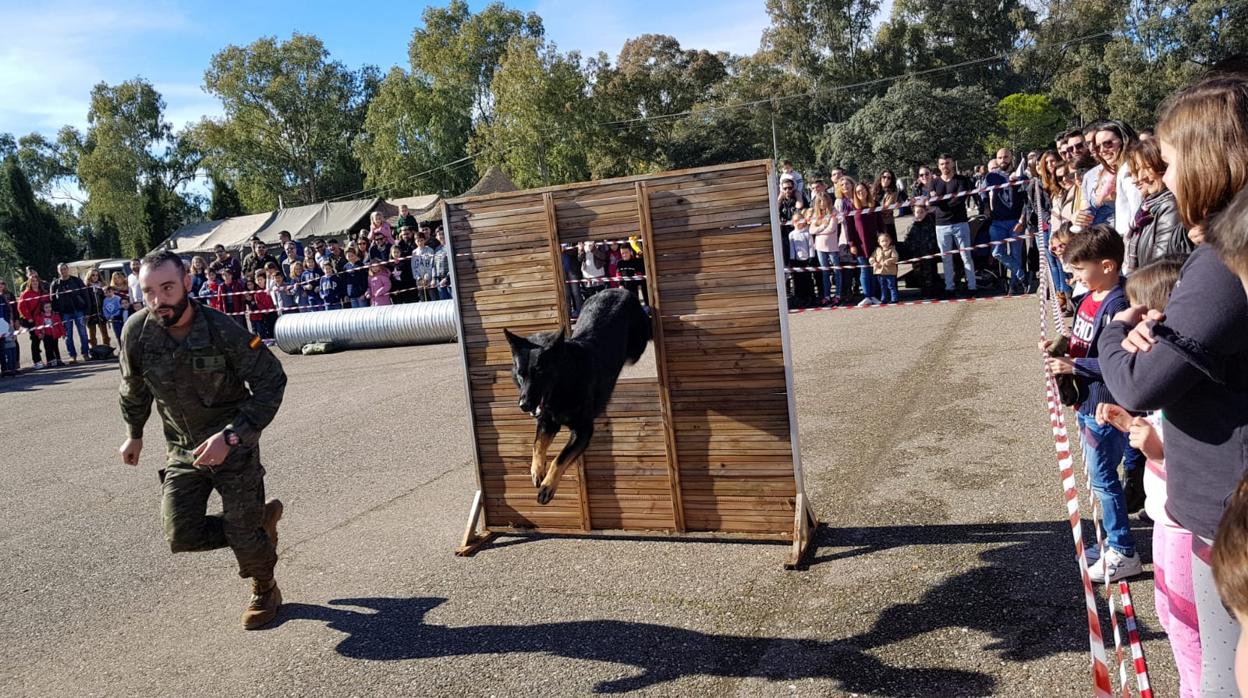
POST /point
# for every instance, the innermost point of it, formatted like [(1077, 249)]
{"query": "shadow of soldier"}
[(395, 629)]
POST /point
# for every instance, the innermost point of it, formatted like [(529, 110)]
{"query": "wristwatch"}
[(231, 437)]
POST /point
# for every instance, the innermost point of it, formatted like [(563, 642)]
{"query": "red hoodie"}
[(42, 329), (263, 306)]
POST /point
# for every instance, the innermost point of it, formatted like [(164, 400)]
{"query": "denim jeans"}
[(361, 302), (832, 259), (949, 238), (866, 278), (888, 288), (444, 293), (1102, 452), (71, 321), (1010, 254), (118, 324)]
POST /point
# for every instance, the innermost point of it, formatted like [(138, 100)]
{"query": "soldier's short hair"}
[(159, 257)]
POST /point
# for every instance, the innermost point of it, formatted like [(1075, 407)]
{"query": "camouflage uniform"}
[(198, 385)]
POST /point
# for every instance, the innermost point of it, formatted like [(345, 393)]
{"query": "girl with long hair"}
[(1196, 377)]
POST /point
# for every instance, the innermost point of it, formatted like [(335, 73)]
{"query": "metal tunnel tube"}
[(430, 322)]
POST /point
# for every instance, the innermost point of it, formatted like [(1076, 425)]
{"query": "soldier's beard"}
[(179, 309)]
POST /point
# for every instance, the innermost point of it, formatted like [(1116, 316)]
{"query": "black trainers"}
[(1133, 489)]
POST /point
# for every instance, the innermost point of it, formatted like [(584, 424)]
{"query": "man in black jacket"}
[(69, 298), (257, 259)]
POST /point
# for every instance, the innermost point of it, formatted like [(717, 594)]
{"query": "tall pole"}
[(775, 150)]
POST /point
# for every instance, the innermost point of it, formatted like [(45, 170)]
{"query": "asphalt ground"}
[(944, 565)]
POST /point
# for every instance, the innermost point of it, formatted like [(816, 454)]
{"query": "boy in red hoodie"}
[(48, 328)]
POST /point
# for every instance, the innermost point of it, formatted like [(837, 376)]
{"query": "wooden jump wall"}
[(708, 445)]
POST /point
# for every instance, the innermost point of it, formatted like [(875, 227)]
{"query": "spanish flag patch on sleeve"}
[(255, 342)]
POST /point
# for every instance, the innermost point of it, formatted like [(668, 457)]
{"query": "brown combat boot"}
[(266, 598), (272, 514)]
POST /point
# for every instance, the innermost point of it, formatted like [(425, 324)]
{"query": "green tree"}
[(129, 148), (458, 52), (424, 118), (411, 130), (543, 128), (653, 77), (911, 125), (925, 34), (1028, 122), (291, 115), (224, 202), (30, 234)]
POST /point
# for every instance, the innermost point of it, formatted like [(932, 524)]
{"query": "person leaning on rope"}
[(216, 387)]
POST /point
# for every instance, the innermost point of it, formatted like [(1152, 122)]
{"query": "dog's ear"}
[(519, 344)]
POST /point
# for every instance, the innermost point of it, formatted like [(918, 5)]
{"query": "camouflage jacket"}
[(219, 377)]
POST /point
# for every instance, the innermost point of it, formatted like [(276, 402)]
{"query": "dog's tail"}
[(639, 330)]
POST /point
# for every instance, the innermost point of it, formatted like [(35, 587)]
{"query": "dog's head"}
[(534, 366)]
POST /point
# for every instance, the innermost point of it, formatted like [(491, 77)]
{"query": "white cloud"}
[(51, 54)]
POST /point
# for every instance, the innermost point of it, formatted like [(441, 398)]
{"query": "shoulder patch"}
[(255, 342)]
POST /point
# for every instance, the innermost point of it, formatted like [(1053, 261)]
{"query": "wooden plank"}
[(561, 307), (664, 180), (660, 351)]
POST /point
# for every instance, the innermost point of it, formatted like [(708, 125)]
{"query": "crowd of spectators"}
[(1158, 341), (373, 268)]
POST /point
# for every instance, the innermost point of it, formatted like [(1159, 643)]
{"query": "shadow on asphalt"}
[(395, 629), (30, 379), (1028, 597)]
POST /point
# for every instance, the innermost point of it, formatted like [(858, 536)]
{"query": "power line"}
[(628, 123)]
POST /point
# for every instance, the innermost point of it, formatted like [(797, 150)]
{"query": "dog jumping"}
[(568, 381)]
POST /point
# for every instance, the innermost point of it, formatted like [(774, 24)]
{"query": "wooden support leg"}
[(804, 524), (474, 537)]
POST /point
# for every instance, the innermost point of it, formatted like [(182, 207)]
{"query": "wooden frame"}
[(707, 447)]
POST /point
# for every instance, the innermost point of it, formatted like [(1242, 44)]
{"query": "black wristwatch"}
[(231, 437)]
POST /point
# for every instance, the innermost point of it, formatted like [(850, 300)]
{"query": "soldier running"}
[(216, 387)]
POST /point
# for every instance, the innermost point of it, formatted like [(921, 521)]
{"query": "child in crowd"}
[(330, 287), (355, 280), (49, 329), (378, 285), (884, 264), (309, 286), (613, 263), (593, 260), (8, 349), (631, 264), (1174, 594), (441, 269), (113, 311), (1058, 242), (280, 289), (1096, 259), (422, 268), (231, 294), (263, 316), (801, 252)]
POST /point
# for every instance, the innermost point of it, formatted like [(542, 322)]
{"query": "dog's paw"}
[(544, 495)]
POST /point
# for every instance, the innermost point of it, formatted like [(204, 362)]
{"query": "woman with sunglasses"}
[(1113, 139), (887, 193)]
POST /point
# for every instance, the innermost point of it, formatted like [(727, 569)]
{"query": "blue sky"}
[(51, 53)]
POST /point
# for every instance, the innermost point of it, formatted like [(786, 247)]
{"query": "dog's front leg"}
[(574, 449), (546, 430)]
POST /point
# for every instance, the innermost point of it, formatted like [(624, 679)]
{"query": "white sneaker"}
[(1120, 566), (38, 364), (865, 302)]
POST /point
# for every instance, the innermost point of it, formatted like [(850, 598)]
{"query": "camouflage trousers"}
[(189, 527)]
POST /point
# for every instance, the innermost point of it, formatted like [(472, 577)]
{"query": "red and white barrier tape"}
[(853, 212), (941, 301), (913, 260), (1049, 308), (1137, 648)]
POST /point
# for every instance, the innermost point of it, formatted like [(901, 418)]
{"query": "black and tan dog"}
[(567, 381)]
